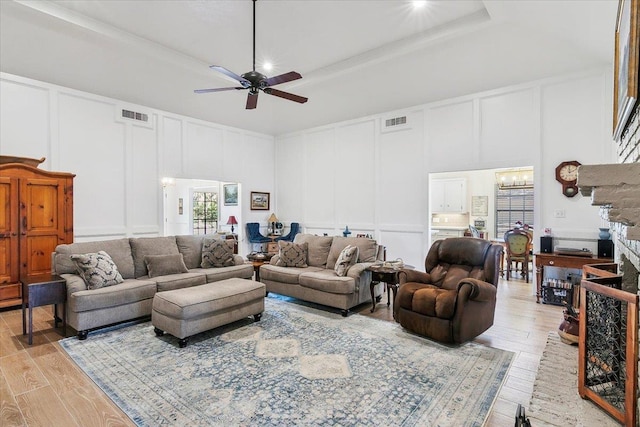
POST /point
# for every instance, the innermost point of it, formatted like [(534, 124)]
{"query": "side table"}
[(44, 290), (388, 275)]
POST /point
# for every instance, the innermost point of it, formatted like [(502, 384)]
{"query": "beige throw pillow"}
[(217, 253), (162, 265), (346, 259), (97, 269), (292, 254)]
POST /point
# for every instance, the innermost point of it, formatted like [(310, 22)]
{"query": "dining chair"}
[(518, 246)]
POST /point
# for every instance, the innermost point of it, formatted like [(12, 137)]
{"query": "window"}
[(512, 205), (205, 212)]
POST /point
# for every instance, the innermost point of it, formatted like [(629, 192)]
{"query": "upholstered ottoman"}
[(189, 311)]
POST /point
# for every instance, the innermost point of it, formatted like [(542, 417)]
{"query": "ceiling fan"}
[(255, 81)]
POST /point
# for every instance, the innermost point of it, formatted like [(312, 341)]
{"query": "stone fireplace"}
[(616, 188)]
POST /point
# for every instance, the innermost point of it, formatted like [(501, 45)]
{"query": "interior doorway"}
[(490, 200), (199, 206)]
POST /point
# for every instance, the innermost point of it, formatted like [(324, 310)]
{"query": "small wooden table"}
[(388, 275), (44, 290), (257, 260), (565, 261)]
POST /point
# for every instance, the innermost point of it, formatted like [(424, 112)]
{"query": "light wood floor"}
[(41, 386)]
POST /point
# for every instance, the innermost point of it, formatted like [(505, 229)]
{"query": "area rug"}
[(297, 366), (555, 400)]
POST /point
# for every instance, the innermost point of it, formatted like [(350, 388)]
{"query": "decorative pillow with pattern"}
[(97, 269), (346, 259), (217, 253), (292, 254)]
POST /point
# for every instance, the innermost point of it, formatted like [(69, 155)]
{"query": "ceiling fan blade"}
[(220, 89), (285, 95), (244, 82), (283, 78), (252, 101)]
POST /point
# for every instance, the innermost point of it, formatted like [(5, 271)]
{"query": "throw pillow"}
[(97, 269), (292, 254), (161, 265), (217, 253), (346, 259)]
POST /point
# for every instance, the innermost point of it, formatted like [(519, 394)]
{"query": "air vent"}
[(396, 123), (128, 114)]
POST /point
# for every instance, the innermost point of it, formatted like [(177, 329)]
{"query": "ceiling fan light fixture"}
[(255, 81)]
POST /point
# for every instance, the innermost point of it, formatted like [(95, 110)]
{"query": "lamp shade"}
[(273, 218), (232, 220)]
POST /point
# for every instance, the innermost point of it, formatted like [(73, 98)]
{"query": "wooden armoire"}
[(37, 215)]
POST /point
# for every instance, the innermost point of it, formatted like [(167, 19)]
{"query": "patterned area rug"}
[(297, 366), (555, 400)]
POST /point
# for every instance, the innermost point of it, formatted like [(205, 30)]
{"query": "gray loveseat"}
[(318, 282), (92, 308)]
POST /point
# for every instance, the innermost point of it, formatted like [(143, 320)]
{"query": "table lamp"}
[(273, 219), (232, 221)]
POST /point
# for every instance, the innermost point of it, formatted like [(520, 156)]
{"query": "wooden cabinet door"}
[(42, 223), (9, 237)]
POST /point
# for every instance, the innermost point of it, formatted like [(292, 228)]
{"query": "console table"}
[(543, 260)]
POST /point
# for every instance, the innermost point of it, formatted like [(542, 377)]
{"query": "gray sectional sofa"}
[(93, 308), (318, 282)]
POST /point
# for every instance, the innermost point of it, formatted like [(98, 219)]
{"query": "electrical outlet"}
[(436, 219), (559, 213), (446, 219)]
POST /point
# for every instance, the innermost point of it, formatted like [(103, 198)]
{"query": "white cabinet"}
[(449, 195)]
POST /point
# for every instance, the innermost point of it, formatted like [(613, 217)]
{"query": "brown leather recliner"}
[(455, 300)]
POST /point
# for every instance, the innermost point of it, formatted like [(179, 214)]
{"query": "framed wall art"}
[(625, 74), (230, 194), (259, 201)]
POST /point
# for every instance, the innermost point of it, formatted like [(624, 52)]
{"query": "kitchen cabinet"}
[(449, 195), (37, 216)]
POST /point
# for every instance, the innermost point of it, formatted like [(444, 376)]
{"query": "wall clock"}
[(567, 175)]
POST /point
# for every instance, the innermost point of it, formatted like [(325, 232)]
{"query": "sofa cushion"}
[(217, 253), (190, 246), (143, 246), (318, 249), (97, 269), (284, 274), (434, 302), (242, 271), (367, 248), (161, 265), (178, 281), (327, 281), (127, 292), (347, 258), (119, 250), (292, 254)]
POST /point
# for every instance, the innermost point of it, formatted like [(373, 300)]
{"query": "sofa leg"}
[(257, 317), (159, 332), (182, 343), (344, 313), (82, 335)]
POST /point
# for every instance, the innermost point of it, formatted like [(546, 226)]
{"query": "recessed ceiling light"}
[(419, 4), (268, 66)]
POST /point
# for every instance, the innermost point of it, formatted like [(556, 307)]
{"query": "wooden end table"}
[(43, 290), (388, 275)]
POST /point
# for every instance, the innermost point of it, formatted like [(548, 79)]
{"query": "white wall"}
[(351, 173), (119, 163)]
